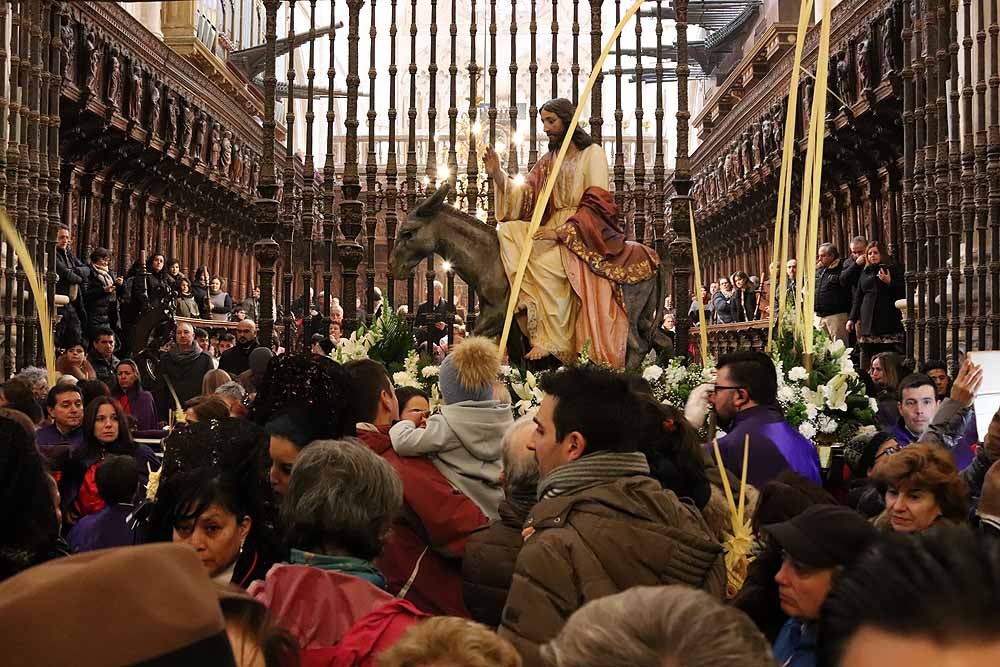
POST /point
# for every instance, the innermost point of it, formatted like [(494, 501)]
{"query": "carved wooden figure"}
[(226, 156), (95, 56), (216, 147), (198, 139), (171, 124), (188, 131), (115, 79), (68, 34), (135, 93)]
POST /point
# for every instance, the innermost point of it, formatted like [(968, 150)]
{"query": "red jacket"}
[(430, 535), (339, 620)]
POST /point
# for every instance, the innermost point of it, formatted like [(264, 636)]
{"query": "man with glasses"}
[(236, 359), (745, 401), (817, 545)]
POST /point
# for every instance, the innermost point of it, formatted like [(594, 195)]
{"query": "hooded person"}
[(165, 611), (464, 439)]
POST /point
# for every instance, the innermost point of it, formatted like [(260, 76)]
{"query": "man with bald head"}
[(490, 555), (236, 359), (182, 367)]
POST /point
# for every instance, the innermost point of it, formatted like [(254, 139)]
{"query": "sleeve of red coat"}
[(539, 602)]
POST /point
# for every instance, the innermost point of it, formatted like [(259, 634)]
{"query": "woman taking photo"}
[(105, 431), (874, 316), (135, 401), (213, 495)]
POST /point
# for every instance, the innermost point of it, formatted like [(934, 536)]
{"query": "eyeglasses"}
[(888, 451), (721, 387)]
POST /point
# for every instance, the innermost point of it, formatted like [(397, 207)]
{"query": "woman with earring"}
[(214, 496)]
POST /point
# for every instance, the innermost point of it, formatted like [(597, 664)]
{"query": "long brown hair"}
[(564, 109)]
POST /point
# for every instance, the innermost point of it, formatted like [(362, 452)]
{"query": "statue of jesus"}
[(571, 292)]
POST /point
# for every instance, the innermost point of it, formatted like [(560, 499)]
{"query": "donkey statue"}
[(473, 249)]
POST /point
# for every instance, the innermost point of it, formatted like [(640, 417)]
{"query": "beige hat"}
[(151, 605)]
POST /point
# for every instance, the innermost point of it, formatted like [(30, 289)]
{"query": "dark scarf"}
[(186, 356), (590, 470)]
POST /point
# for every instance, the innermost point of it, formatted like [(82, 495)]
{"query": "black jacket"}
[(488, 563), (874, 310), (834, 288), (744, 305), (101, 306), (71, 271), (185, 370), (430, 314), (236, 359), (106, 369)]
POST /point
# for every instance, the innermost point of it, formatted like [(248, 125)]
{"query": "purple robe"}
[(774, 447), (141, 408), (103, 530)]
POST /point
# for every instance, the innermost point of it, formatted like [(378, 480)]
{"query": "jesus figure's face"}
[(554, 128)]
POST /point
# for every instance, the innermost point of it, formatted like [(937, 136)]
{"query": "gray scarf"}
[(592, 469)]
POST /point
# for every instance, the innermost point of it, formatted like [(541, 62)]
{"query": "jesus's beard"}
[(556, 143)]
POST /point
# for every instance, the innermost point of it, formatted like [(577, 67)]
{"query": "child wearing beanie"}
[(464, 439)]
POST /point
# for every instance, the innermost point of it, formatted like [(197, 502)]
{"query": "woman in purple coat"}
[(135, 401)]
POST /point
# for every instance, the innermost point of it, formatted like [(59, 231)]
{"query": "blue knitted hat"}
[(469, 371)]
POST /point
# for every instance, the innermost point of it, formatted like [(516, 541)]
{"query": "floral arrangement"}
[(828, 403), (674, 382)]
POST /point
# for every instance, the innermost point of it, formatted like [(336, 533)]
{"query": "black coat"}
[(430, 314), (874, 310), (744, 305), (201, 298), (185, 372), (834, 288), (488, 563), (101, 306), (105, 369), (236, 359), (71, 271)]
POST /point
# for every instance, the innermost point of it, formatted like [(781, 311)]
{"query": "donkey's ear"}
[(429, 206)]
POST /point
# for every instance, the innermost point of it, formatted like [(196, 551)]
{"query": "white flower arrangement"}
[(830, 401), (429, 372), (528, 394)]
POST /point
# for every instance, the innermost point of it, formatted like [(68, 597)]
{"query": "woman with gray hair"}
[(337, 511), (650, 626)]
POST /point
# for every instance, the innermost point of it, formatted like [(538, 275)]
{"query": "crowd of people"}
[(855, 297), (286, 509), (99, 300)]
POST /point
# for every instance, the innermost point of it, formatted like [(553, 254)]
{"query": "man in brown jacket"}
[(601, 524)]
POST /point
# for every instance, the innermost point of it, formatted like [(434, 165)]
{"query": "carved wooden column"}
[(351, 208), (266, 249), (681, 203)]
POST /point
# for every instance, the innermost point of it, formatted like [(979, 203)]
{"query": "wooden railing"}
[(725, 338)]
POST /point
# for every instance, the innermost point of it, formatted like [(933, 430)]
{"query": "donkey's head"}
[(418, 235)]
